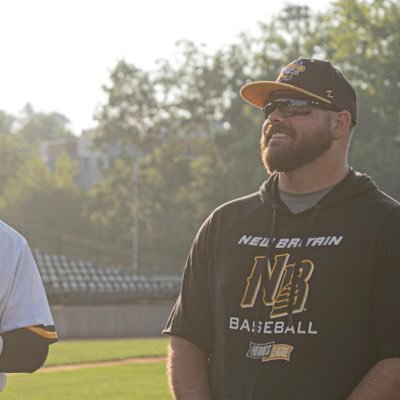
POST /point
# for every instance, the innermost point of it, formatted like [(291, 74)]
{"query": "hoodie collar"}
[(351, 186)]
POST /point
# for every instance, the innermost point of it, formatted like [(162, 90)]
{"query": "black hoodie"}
[(294, 305)]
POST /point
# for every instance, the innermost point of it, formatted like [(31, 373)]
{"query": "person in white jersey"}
[(26, 324)]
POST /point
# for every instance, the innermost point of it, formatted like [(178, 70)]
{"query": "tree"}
[(363, 38), (171, 203), (35, 127), (12, 154), (6, 123), (109, 205), (44, 199), (131, 111)]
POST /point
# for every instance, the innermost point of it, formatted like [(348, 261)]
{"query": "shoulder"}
[(389, 201), (11, 241), (15, 257), (232, 212), (238, 208), (384, 213), (226, 217), (390, 208), (384, 205)]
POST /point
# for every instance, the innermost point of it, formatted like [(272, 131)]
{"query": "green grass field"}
[(133, 381), (81, 351)]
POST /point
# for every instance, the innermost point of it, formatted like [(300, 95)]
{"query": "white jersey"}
[(23, 301)]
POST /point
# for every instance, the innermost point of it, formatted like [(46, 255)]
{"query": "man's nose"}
[(275, 116)]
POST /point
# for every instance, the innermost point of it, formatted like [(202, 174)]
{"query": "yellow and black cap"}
[(313, 78)]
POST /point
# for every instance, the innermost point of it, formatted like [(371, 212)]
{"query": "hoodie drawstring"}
[(296, 269), (253, 369), (259, 302)]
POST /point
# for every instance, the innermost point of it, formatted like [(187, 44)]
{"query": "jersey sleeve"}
[(387, 292), (23, 301), (191, 316)]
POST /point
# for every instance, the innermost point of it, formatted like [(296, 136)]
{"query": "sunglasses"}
[(289, 107)]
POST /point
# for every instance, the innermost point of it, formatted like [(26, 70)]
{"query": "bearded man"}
[(292, 292)]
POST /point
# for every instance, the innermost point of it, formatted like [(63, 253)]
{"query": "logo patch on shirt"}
[(269, 351), (275, 280)]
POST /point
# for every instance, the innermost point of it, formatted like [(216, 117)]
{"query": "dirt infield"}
[(100, 364)]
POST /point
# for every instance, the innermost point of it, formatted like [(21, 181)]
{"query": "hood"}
[(353, 185)]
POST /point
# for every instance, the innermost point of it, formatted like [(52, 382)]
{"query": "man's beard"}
[(297, 152)]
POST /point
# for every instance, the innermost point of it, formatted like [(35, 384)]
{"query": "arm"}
[(22, 351), (381, 383), (187, 371), (26, 325)]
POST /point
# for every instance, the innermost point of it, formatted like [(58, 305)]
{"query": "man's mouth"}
[(278, 137)]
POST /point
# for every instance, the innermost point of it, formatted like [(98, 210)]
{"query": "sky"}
[(57, 54)]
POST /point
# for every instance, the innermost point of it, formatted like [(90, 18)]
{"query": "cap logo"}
[(290, 71), (329, 93)]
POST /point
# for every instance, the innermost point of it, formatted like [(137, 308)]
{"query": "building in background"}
[(92, 161)]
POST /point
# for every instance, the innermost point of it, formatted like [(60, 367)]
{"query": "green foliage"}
[(6, 123), (37, 195), (363, 38), (32, 178), (131, 113), (35, 127), (65, 172), (109, 204), (12, 154), (167, 208)]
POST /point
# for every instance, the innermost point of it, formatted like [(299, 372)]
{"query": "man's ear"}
[(340, 124)]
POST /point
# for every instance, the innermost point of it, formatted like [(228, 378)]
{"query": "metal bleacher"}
[(69, 281)]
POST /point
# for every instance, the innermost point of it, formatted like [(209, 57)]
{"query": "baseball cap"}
[(313, 78)]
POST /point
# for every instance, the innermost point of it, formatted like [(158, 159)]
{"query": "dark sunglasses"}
[(289, 107)]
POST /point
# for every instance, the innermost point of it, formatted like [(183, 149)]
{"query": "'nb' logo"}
[(275, 280)]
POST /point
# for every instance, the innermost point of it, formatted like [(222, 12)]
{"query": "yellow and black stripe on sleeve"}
[(47, 332)]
